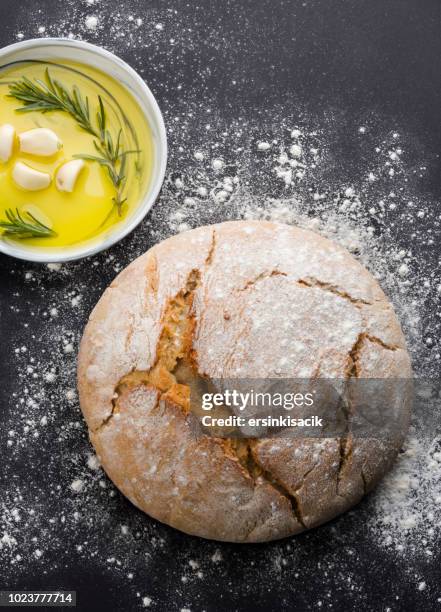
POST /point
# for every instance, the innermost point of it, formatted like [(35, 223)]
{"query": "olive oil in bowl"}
[(96, 120)]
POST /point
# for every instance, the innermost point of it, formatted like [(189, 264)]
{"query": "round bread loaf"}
[(243, 299)]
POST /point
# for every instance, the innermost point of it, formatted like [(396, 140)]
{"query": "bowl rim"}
[(161, 150)]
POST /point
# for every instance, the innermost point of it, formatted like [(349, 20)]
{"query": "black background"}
[(363, 56)]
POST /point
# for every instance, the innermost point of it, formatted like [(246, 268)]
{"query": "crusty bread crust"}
[(247, 299)]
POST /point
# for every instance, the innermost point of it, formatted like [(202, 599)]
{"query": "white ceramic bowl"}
[(85, 53)]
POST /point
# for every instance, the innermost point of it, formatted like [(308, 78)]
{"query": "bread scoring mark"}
[(380, 342), (309, 281), (152, 273), (209, 258), (352, 367), (346, 450), (260, 277), (253, 469), (318, 366), (129, 336), (174, 346), (176, 338), (108, 418), (346, 441), (130, 381), (207, 264), (353, 371), (294, 493), (174, 372)]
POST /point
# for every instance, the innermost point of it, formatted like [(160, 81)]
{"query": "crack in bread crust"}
[(243, 450), (352, 368), (109, 417), (212, 249), (207, 264), (346, 441), (310, 281), (174, 346), (380, 342), (291, 496), (260, 277)]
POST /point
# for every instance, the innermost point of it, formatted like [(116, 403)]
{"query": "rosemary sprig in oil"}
[(19, 227), (51, 95)]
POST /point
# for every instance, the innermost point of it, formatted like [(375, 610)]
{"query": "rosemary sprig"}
[(51, 95), (17, 226)]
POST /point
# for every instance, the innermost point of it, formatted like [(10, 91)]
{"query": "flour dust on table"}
[(363, 182)]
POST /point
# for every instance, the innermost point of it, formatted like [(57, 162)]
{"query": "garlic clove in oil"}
[(7, 134), (30, 179), (40, 141), (68, 174)]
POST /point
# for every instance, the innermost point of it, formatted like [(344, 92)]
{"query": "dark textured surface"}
[(363, 57)]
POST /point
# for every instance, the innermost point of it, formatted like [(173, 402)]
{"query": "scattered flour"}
[(91, 22), (77, 485)]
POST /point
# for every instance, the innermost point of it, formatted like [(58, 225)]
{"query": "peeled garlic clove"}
[(40, 141), (7, 133), (30, 179), (67, 175)]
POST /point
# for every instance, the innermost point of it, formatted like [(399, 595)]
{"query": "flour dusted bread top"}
[(235, 300)]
